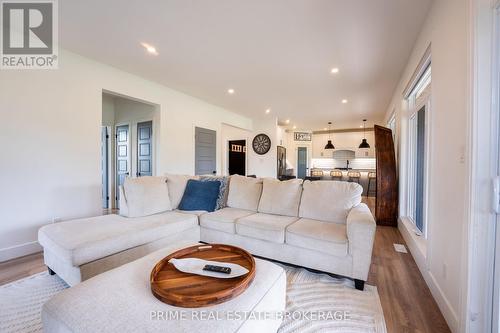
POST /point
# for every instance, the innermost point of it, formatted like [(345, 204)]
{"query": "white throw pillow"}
[(244, 192), (281, 197), (177, 186), (329, 201), (146, 196)]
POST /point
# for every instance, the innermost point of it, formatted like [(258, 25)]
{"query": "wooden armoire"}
[(386, 204)]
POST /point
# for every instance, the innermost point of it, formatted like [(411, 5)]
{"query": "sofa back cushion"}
[(200, 195), (146, 196), (244, 192), (281, 197), (329, 201), (176, 186)]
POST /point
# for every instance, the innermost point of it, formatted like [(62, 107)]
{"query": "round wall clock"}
[(261, 144)]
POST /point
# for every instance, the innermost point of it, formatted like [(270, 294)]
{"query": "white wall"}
[(264, 165), (51, 141), (446, 30)]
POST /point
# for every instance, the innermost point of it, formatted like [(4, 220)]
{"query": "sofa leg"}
[(51, 272), (359, 284)]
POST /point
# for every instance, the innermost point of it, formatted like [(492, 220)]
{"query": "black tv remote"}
[(218, 269)]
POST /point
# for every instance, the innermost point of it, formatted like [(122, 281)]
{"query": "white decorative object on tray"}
[(195, 266)]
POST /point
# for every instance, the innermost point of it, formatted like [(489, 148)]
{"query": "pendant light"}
[(329, 145), (363, 143)]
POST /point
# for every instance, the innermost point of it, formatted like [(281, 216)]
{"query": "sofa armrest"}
[(122, 202), (360, 234)]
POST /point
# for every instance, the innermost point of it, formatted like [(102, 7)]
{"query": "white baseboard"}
[(20, 250), (419, 255)]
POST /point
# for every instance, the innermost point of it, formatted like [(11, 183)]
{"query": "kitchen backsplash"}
[(357, 163)]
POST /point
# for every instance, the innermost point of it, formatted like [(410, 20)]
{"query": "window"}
[(418, 105)]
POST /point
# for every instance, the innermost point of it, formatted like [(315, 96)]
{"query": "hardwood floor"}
[(406, 300), (21, 267)]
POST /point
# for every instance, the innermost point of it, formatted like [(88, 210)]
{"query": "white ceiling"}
[(275, 53)]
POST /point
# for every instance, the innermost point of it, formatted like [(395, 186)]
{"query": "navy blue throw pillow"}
[(200, 195)]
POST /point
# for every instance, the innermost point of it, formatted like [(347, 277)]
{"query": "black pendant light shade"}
[(364, 143), (329, 145)]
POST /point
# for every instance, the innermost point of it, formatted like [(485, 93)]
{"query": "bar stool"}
[(354, 176), (316, 173), (336, 174), (372, 177)]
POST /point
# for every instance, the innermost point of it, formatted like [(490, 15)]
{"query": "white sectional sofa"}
[(318, 225)]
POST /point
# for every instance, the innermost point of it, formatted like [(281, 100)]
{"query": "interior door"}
[(386, 204), (237, 157), (145, 149), (104, 166), (205, 151), (301, 162), (122, 158)]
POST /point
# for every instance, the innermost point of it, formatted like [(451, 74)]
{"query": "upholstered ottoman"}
[(120, 300)]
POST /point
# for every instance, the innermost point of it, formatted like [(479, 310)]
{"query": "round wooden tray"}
[(186, 290)]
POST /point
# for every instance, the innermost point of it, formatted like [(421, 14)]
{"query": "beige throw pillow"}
[(281, 197)]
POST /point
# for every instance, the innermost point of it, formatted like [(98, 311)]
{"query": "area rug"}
[(344, 309)]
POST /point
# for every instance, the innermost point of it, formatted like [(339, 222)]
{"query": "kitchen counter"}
[(363, 181)]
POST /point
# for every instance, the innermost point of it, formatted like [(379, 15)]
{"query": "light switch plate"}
[(400, 248)]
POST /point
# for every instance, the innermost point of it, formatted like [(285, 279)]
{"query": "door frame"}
[(483, 129), (226, 155)]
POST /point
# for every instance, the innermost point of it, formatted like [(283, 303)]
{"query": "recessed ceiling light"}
[(324, 128), (268, 111), (334, 70), (287, 121), (150, 48), (344, 101), (230, 91), (294, 127), (360, 126)]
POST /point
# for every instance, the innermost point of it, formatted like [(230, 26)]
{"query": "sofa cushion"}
[(85, 240), (176, 186), (329, 201), (223, 190), (223, 220), (326, 237), (146, 196), (200, 195), (244, 192), (280, 197), (264, 226)]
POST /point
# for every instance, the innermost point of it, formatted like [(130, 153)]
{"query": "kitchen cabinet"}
[(365, 152)]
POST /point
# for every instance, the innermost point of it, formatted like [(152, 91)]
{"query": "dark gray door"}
[(145, 149), (302, 162), (122, 157), (105, 165), (205, 151)]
